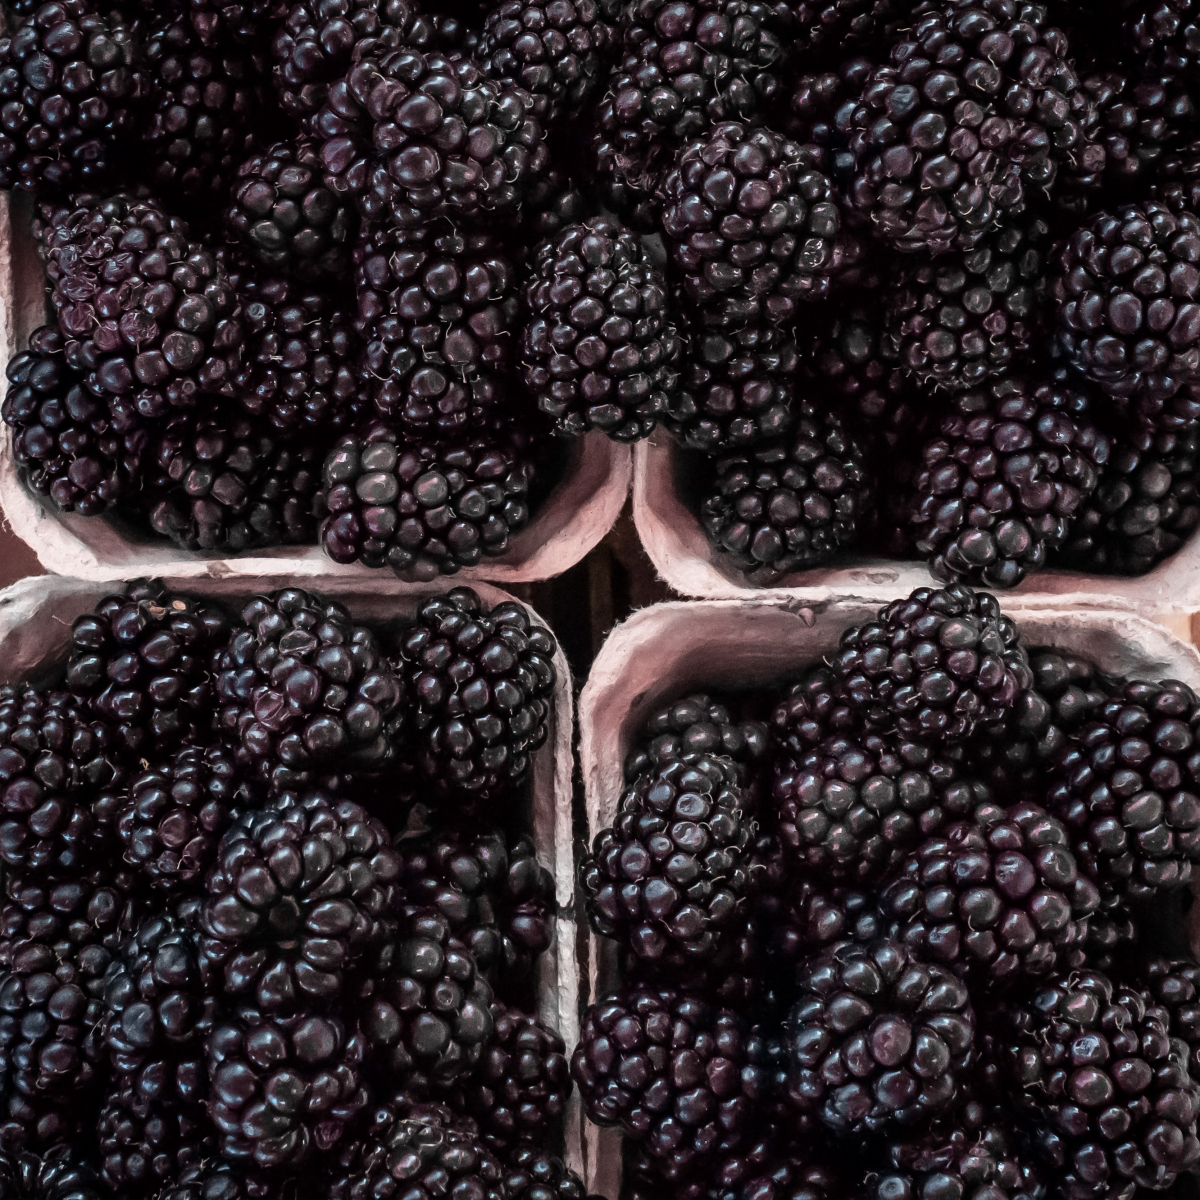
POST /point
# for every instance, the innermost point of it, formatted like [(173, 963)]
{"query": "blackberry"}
[(695, 724), (923, 174), (216, 1180), (1163, 36), (814, 916), (297, 897), (773, 1167), (282, 1088), (145, 1146), (423, 509), (1118, 319), (877, 1039), (598, 351), (792, 504), (1000, 484), (141, 663), (933, 666), (1126, 789), (555, 51), (666, 1067), (54, 756), (959, 320), (1107, 1085), (61, 1173), (1173, 983), (735, 390), (669, 878), (70, 83), (425, 1014), (531, 1173), (999, 896), (441, 138), (287, 219), (482, 684), (752, 224), (301, 684)]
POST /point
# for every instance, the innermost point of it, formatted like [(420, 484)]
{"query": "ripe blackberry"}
[(735, 390), (213, 1179), (1175, 985), (695, 724), (1126, 789), (423, 509), (555, 51), (425, 1013), (1009, 468), (302, 684), (598, 351), (1106, 1084), (960, 319), (482, 684), (145, 1146), (1163, 36), (789, 505), (297, 897), (752, 224), (878, 1039), (141, 663), (286, 218), (999, 896), (1145, 505), (282, 1088), (70, 83), (933, 666), (1125, 289), (941, 152), (666, 1067), (61, 1173), (440, 138), (669, 878), (531, 1173), (149, 314)]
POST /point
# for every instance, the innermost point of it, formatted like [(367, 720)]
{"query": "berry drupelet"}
[(695, 724), (59, 1174)]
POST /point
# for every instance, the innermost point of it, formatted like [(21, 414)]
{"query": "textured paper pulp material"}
[(668, 650), (35, 631), (579, 511), (676, 543)]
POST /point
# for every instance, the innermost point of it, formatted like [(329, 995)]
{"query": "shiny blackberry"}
[(531, 1173), (61, 1173), (1175, 985), (696, 724)]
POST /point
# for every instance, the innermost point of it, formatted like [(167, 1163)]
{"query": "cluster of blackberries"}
[(258, 936), (915, 935)]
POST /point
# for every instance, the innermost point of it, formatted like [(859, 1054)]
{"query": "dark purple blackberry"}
[(54, 758), (146, 1145), (999, 485), (556, 51), (998, 896), (298, 896), (482, 684), (1126, 788), (62, 1173), (1145, 505), (286, 218), (70, 83), (598, 351), (141, 663), (669, 878), (1107, 1087), (814, 916), (789, 505), (735, 390), (301, 684), (933, 666), (667, 1068), (425, 1013), (423, 509), (695, 724), (531, 1173), (216, 1180), (283, 1088), (943, 152), (781, 1164), (877, 1039), (1175, 985), (1163, 36), (960, 319), (752, 225), (1126, 290), (413, 134)]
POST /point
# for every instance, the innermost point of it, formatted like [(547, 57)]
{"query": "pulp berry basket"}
[(35, 630), (579, 510), (667, 650), (675, 540)]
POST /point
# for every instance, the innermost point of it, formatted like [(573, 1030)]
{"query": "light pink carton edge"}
[(35, 628), (579, 511), (668, 649)]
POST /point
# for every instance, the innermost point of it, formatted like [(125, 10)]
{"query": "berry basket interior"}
[(674, 538), (578, 511), (667, 650), (36, 615)]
